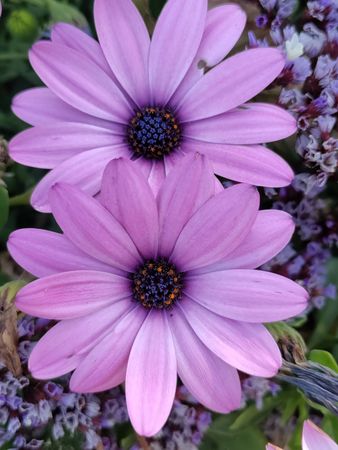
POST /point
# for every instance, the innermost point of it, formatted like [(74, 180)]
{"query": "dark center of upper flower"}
[(157, 284), (153, 133)]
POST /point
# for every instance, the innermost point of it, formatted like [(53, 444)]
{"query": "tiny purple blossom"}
[(145, 287), (151, 100)]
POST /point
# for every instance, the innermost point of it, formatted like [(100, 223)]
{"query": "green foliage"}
[(325, 358), (21, 24), (4, 206)]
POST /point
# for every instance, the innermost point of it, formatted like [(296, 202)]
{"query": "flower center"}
[(157, 284), (153, 133)]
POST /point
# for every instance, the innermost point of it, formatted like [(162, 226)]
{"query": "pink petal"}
[(217, 228), (79, 82), (68, 295), (49, 145), (125, 42), (84, 170), (272, 447), (184, 191), (151, 375), (106, 364), (71, 36), (92, 228), (127, 195), (171, 53), (270, 233), (44, 253), (252, 123), (255, 165), (156, 176), (39, 106), (231, 83), (315, 439), (247, 295), (172, 160), (247, 346), (62, 348), (224, 25), (210, 380)]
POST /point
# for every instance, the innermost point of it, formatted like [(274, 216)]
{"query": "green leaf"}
[(11, 289), (224, 441), (291, 405), (330, 426), (252, 415), (62, 12), (325, 358), (4, 206)]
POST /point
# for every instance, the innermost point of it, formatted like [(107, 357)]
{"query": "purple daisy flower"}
[(146, 287), (152, 101)]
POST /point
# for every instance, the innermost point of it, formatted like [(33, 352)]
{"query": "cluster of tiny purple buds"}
[(309, 80), (318, 234), (28, 408)]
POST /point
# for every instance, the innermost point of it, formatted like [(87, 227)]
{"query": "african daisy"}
[(151, 101), (146, 287)]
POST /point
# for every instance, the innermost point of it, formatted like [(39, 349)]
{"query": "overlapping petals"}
[(94, 89), (212, 237)]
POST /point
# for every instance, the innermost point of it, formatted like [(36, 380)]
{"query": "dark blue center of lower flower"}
[(157, 284), (153, 133)]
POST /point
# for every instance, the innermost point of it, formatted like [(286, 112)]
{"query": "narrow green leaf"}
[(325, 358), (4, 206)]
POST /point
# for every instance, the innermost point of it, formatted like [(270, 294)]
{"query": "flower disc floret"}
[(157, 284), (154, 133)]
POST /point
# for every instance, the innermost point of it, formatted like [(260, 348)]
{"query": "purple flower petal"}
[(156, 176), (48, 146), (125, 42), (73, 294), (92, 228), (224, 26), (231, 83), (270, 233), (106, 364), (315, 439), (252, 123), (184, 191), (84, 170), (217, 228), (127, 195), (44, 253), (252, 164), (62, 348), (247, 295), (209, 379), (173, 160), (247, 346), (174, 44), (71, 36), (39, 106), (151, 375), (79, 82)]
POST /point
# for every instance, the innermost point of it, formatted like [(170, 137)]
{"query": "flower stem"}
[(143, 442)]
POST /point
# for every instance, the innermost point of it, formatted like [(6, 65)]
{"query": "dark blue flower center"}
[(153, 133), (157, 284)]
